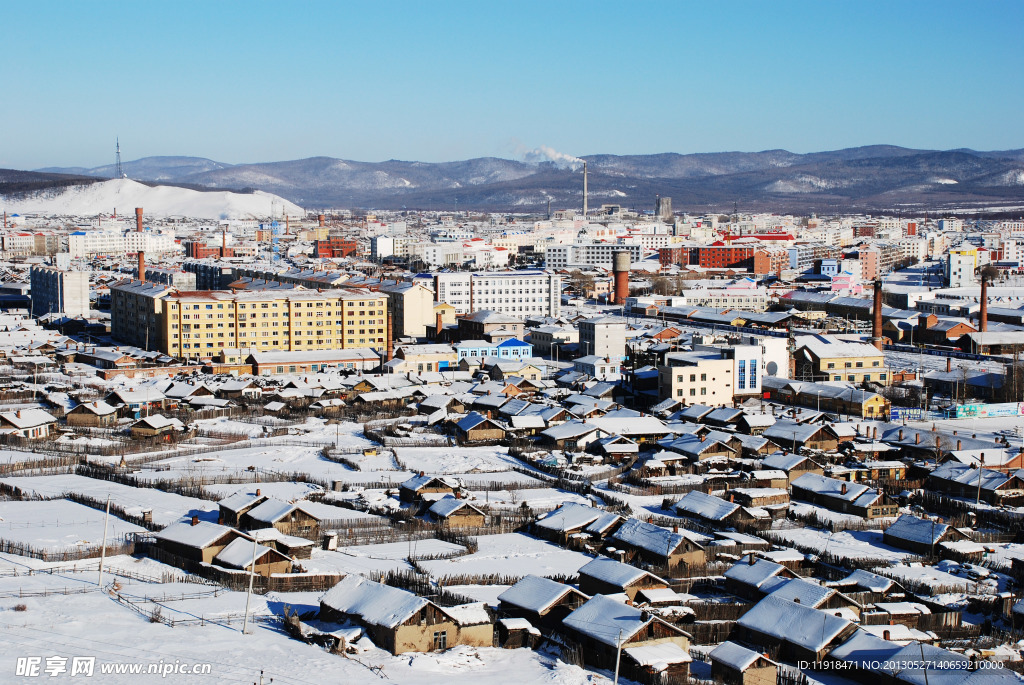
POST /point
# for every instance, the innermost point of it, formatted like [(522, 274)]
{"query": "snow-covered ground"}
[(167, 507), (59, 524), (161, 201), (860, 544), (462, 460), (511, 554)]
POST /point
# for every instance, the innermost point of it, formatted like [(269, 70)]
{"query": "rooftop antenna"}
[(117, 164)]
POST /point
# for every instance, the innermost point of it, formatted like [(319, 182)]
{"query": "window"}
[(693, 377), (703, 376), (693, 392)]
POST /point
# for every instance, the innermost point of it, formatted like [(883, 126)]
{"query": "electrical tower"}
[(117, 165)]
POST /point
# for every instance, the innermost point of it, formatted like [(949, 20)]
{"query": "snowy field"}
[(67, 626), (512, 554), (286, 492), (237, 462), (535, 498), (59, 524), (860, 544), (167, 507), (440, 460)]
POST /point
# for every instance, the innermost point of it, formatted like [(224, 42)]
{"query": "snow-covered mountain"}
[(158, 201)]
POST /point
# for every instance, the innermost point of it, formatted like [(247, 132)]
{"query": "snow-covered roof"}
[(735, 656), (613, 572), (240, 500), (570, 516), (913, 529), (238, 554), (199, 536), (374, 603), (801, 591), (654, 539), (858, 494), (158, 421), (448, 505), (782, 462), (658, 657), (607, 621), (99, 408), (705, 506), (863, 648), (472, 614), (535, 593), (755, 574), (27, 418), (795, 623), (270, 511), (869, 581)]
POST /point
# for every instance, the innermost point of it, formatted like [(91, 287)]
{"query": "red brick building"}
[(196, 250), (335, 247), (721, 255), (770, 260), (667, 256)]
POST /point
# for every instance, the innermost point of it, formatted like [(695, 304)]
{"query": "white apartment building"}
[(518, 293), (603, 336), (951, 225), (588, 254), (746, 299), (960, 266), (55, 291), (914, 247), (87, 243)]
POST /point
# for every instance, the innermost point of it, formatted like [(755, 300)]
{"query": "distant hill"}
[(870, 178), (95, 196)]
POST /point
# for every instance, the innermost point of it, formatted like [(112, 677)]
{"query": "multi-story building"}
[(56, 291), (704, 377), (197, 324), (412, 309), (589, 254), (719, 255), (518, 293), (604, 336), (335, 247), (770, 260), (828, 358), (951, 225), (960, 266), (802, 256), (182, 280), (103, 242)]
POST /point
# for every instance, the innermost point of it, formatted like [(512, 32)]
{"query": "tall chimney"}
[(391, 340), (224, 241), (320, 219), (287, 229), (983, 325), (876, 328), (584, 191), (438, 326), (142, 266), (949, 364), (138, 219), (620, 267)]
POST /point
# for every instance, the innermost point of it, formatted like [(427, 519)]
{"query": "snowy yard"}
[(59, 524), (861, 544), (443, 460), (512, 554), (167, 507)]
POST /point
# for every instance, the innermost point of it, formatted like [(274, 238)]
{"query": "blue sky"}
[(435, 81)]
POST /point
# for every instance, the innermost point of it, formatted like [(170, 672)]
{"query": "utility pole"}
[(977, 499), (248, 595), (618, 656), (103, 548)]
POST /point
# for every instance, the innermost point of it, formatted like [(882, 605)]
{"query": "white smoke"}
[(548, 154)]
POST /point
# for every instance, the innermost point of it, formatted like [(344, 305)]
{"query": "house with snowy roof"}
[(734, 664), (239, 555), (420, 485), (746, 577), (961, 480), (197, 541), (576, 520), (456, 513), (400, 621), (920, 536), (603, 625), (840, 496), (715, 512), (646, 542), (542, 601), (289, 518), (792, 464), (92, 414), (604, 576), (798, 632), (27, 423), (233, 506)]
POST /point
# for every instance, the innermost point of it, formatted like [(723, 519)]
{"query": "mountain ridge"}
[(874, 177)]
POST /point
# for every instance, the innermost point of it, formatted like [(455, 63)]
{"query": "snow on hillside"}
[(125, 194)]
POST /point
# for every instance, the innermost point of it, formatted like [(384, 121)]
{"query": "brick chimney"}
[(876, 327), (438, 326), (949, 364), (959, 444), (195, 520), (257, 492), (983, 313), (842, 489), (138, 219), (142, 266)]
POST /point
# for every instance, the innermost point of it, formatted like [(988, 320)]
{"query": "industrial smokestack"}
[(391, 340), (438, 326), (620, 266), (983, 314), (142, 266), (138, 219), (876, 328), (584, 190), (320, 219)]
